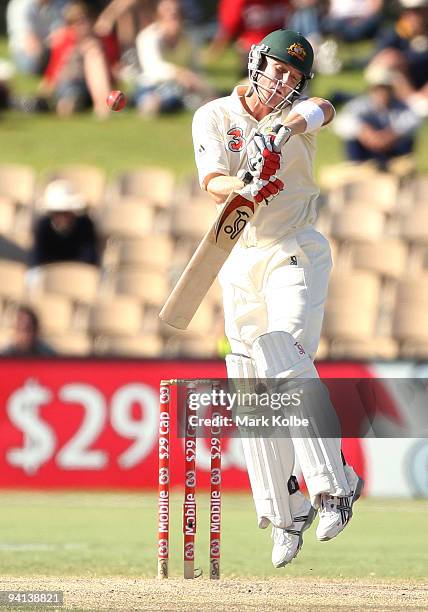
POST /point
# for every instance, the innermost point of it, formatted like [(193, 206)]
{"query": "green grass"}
[(122, 142), (98, 534), (125, 140)]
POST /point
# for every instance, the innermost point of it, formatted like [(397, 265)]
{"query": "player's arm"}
[(219, 186), (210, 155), (310, 115)]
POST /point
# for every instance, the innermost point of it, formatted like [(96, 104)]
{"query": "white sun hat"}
[(413, 3), (379, 75), (60, 195)]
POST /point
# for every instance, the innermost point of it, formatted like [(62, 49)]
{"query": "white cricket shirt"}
[(221, 130)]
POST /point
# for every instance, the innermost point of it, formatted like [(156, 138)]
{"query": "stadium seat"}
[(413, 290), (156, 184), (357, 222), (338, 175), (120, 315), (152, 251), (420, 189), (192, 345), (135, 346), (415, 225), (12, 285), (186, 187), (15, 222), (90, 181), (7, 215), (193, 221), (352, 305), (6, 335), (126, 219), (415, 349), (18, 183), (54, 312), (147, 285), (348, 322), (183, 251), (410, 322), (73, 344), (77, 281), (379, 347), (354, 287), (193, 193), (378, 191), (387, 257), (411, 306)]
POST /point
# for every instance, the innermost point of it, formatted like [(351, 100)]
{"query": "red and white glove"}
[(261, 190), (264, 153)]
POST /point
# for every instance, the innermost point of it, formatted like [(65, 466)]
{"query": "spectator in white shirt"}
[(29, 26), (168, 80), (353, 20)]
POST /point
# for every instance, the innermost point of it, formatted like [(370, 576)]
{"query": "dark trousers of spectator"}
[(355, 151), (306, 21), (352, 30)]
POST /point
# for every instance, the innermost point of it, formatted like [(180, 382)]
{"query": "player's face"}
[(276, 81)]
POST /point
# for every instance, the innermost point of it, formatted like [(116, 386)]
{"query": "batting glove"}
[(262, 190), (264, 154)]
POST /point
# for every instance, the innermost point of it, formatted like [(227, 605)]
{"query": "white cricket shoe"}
[(287, 542), (336, 512)]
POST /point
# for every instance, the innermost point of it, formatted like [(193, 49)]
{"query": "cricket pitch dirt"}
[(302, 594)]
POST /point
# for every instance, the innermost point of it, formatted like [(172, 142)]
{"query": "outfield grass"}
[(99, 534), (125, 140)]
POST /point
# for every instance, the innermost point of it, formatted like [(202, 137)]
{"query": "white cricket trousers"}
[(283, 287), (280, 287)]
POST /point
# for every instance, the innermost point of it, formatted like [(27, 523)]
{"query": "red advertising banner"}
[(94, 424)]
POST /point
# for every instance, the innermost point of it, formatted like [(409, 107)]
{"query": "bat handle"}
[(248, 177)]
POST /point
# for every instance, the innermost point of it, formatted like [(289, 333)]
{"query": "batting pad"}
[(279, 356), (269, 460)]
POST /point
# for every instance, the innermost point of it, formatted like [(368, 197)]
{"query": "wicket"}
[(189, 505)]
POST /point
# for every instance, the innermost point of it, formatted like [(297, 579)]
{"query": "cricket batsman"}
[(275, 280)]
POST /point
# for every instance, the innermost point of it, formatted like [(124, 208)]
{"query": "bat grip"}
[(248, 177)]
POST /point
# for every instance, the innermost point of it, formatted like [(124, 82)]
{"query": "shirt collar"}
[(237, 106)]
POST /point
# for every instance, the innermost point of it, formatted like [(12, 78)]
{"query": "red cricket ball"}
[(116, 100)]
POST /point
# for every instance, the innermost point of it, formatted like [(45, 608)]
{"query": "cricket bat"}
[(209, 257)]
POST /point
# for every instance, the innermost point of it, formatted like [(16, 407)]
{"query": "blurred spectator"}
[(200, 20), (305, 18), (65, 232), (124, 19), (7, 71), (377, 126), (167, 84), (26, 340), (29, 26), (353, 20), (404, 49), (247, 22), (77, 74), (130, 16)]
